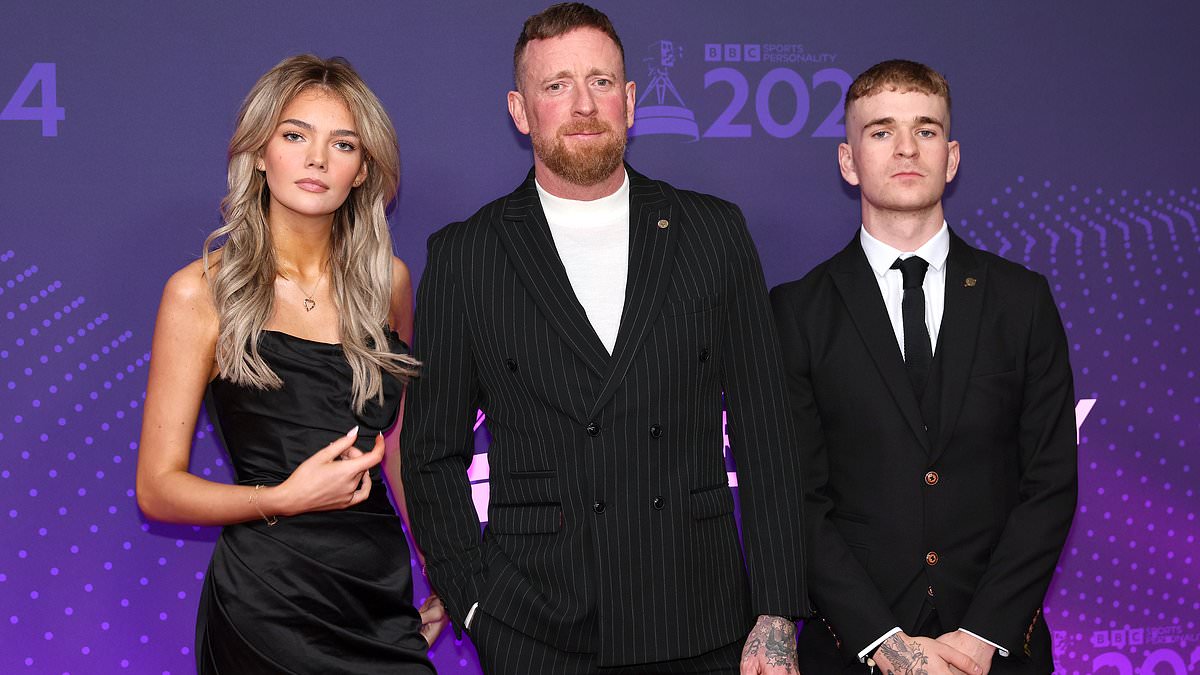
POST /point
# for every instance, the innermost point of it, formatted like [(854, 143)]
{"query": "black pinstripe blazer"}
[(610, 525)]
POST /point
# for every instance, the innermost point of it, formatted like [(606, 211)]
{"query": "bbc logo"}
[(733, 53)]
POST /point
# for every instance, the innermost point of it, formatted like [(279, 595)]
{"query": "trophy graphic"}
[(668, 115)]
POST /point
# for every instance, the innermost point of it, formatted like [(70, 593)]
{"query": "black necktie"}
[(918, 354)]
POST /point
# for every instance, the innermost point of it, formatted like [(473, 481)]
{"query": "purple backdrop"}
[(1079, 134)]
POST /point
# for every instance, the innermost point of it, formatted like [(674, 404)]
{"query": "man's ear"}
[(516, 110), (952, 162), (846, 163), (630, 102)]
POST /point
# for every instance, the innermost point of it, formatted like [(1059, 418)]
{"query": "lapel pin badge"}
[(969, 282), (662, 224)]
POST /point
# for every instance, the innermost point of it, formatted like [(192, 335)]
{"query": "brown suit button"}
[(655, 431), (931, 558), (930, 591), (931, 478), (592, 429), (659, 503)]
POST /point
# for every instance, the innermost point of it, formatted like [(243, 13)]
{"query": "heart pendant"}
[(309, 304)]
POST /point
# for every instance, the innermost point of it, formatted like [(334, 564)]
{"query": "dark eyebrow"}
[(308, 127), (881, 121), (923, 119)]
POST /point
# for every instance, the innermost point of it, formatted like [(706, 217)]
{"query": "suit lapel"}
[(526, 236), (855, 281), (965, 279), (651, 254)]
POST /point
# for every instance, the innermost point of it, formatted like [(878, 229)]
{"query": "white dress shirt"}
[(891, 282)]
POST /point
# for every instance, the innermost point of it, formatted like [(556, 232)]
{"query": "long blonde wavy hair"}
[(242, 277)]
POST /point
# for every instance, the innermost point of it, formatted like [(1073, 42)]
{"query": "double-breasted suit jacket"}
[(610, 524), (964, 501)]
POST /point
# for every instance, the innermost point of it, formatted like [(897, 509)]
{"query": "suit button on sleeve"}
[(592, 429), (704, 354), (658, 503), (512, 364), (598, 506), (932, 478), (656, 431)]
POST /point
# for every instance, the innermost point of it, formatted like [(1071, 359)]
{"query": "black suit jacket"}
[(974, 514), (610, 525)]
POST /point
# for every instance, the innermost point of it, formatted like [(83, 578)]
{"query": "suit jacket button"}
[(512, 364), (932, 478), (703, 354), (931, 558), (930, 591), (655, 431), (598, 506), (592, 429), (659, 503)]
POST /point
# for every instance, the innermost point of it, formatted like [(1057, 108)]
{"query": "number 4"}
[(49, 113)]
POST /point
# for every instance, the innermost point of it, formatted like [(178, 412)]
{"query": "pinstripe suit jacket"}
[(610, 526)]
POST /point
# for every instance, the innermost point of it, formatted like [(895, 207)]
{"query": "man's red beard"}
[(587, 165)]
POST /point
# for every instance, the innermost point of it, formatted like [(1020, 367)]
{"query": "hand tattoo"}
[(774, 639), (905, 658)]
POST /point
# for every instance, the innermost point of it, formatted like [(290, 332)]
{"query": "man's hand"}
[(904, 655), (979, 651), (770, 647)]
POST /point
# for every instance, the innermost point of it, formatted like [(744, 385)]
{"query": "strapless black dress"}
[(327, 592)]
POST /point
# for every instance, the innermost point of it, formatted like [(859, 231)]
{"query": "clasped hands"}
[(954, 653)]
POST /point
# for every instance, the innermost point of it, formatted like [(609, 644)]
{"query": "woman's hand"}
[(433, 618), (334, 478)]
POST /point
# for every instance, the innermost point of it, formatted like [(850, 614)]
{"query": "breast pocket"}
[(687, 306)]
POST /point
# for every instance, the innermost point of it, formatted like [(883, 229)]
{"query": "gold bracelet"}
[(254, 500)]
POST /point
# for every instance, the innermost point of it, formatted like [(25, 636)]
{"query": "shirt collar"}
[(577, 207), (881, 256)]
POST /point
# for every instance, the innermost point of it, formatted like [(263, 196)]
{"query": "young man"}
[(930, 383), (597, 316)]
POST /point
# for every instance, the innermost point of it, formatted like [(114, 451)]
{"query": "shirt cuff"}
[(999, 650), (471, 615), (862, 656)]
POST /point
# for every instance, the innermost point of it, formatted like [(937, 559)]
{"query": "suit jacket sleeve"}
[(844, 594), (437, 440), (1014, 585), (762, 438)]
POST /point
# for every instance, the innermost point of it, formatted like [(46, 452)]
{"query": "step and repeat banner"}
[(1079, 159)]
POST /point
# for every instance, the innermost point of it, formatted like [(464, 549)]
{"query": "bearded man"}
[(601, 319)]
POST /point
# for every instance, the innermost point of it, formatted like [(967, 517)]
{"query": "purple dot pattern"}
[(87, 585)]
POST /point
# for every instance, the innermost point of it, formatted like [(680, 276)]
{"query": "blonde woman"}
[(282, 329)]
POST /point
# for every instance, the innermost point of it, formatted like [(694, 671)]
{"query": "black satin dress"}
[(326, 592)]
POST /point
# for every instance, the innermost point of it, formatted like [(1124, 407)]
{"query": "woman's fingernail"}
[(353, 432)]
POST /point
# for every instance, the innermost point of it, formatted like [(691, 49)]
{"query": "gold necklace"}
[(309, 302)]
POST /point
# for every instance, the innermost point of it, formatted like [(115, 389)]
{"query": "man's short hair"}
[(899, 75), (560, 19)]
